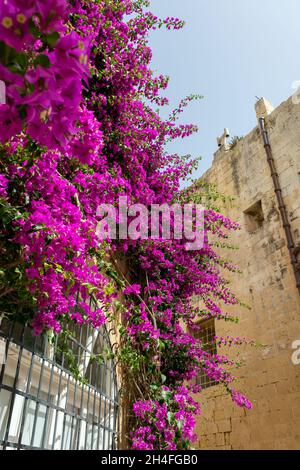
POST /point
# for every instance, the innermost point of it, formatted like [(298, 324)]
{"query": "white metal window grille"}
[(57, 395)]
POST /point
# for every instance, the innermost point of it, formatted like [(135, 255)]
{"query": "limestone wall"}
[(267, 376)]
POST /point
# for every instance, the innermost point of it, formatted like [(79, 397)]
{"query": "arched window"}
[(57, 393)]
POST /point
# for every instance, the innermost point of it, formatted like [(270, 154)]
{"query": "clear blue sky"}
[(229, 51)]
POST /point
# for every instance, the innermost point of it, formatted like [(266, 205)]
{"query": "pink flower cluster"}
[(168, 422), (20, 17), (43, 95), (241, 400), (3, 186), (56, 240)]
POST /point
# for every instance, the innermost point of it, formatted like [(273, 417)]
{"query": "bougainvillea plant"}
[(79, 128)]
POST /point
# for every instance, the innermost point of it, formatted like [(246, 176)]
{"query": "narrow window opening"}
[(254, 217)]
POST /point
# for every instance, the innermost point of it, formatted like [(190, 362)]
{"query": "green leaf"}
[(180, 424), (42, 60), (166, 395), (163, 378), (17, 271), (38, 227), (33, 29), (15, 61), (109, 289), (52, 38), (21, 60), (7, 53)]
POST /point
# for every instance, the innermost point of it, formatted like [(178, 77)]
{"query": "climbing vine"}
[(79, 128)]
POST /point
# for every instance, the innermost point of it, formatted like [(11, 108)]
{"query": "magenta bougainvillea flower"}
[(20, 19)]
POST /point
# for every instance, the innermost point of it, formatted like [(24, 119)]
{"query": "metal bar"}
[(80, 417), (94, 403), (37, 407), (27, 394), (88, 403), (73, 407), (48, 405), (65, 413), (57, 401), (100, 404), (14, 391), (8, 340), (104, 414)]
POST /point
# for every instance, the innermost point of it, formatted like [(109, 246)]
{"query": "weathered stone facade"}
[(267, 283)]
